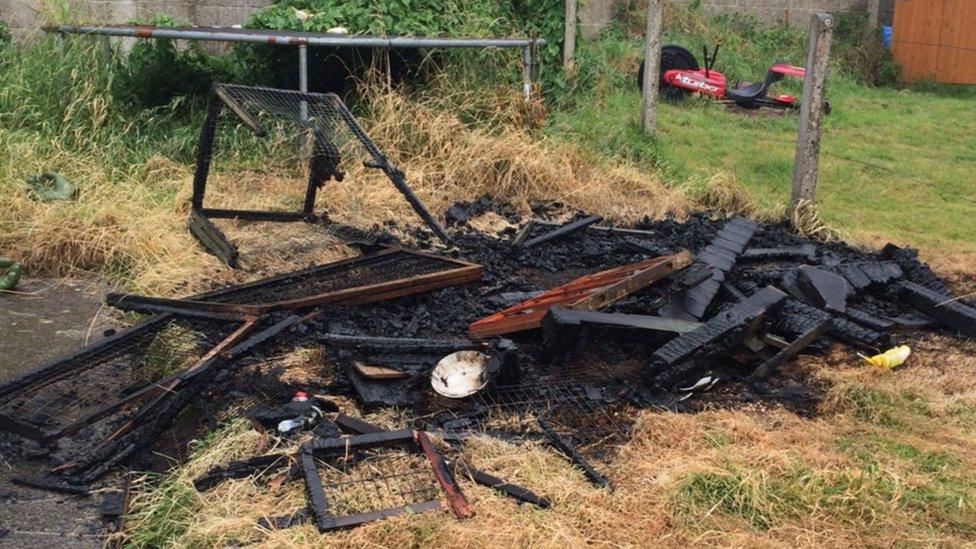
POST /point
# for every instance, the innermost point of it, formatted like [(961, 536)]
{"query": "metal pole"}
[(285, 39), (569, 39), (652, 64), (303, 80), (527, 73), (806, 163)]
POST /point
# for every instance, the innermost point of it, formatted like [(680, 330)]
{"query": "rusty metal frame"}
[(461, 272), (590, 292)]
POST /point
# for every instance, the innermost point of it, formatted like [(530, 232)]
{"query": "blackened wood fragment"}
[(568, 449), (564, 230), (941, 307)]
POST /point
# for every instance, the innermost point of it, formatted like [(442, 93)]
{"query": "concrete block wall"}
[(793, 12), (23, 15)]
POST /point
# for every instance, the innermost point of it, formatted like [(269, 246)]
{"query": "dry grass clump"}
[(724, 194), (806, 222)]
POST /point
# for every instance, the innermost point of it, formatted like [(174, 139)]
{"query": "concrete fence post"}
[(806, 163), (652, 67), (874, 6), (569, 39)]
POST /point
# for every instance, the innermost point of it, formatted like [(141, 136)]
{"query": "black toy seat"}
[(753, 92)]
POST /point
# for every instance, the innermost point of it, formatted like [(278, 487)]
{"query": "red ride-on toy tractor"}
[(681, 75)]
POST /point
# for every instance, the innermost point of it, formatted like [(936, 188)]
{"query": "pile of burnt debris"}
[(543, 331)]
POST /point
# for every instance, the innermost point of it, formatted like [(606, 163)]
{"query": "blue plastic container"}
[(886, 37)]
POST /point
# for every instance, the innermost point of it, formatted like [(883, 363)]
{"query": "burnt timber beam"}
[(564, 230), (563, 327), (365, 441), (569, 450), (672, 363), (807, 252), (721, 254), (515, 491), (945, 310), (252, 215), (212, 238), (237, 469)]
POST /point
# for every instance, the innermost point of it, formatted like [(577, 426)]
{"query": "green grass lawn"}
[(896, 164)]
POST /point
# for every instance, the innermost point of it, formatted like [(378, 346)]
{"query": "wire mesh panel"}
[(304, 139), (383, 480)]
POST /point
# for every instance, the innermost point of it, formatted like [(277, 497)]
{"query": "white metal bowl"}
[(460, 374)]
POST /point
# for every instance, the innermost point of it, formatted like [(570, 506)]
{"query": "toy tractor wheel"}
[(672, 57)]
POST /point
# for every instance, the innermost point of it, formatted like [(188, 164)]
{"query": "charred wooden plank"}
[(212, 238), (365, 441), (181, 307), (237, 469), (568, 449), (324, 520), (398, 344), (264, 335), (941, 307), (806, 252), (459, 504), (721, 254), (670, 363), (865, 318), (356, 425), (567, 229), (51, 484), (515, 491), (769, 367), (562, 327), (591, 292)]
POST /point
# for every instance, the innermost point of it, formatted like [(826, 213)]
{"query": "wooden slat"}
[(592, 291)]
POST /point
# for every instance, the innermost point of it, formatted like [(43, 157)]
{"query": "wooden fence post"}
[(652, 67), (569, 39), (806, 163)]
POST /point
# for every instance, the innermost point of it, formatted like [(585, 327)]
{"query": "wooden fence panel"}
[(936, 40)]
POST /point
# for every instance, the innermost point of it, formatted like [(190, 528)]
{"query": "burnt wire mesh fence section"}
[(383, 479), (588, 411), (133, 361), (250, 386)]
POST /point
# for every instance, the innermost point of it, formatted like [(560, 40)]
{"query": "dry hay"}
[(131, 227)]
